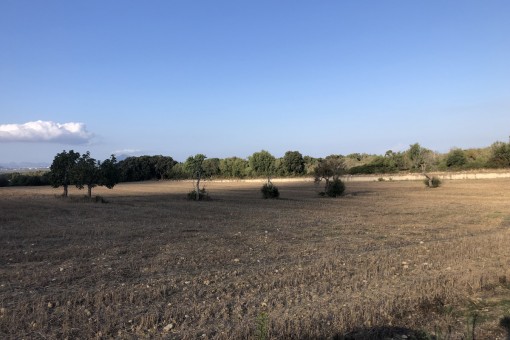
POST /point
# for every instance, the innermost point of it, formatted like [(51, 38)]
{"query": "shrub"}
[(262, 330), (203, 195), (456, 158), (432, 183), (335, 188), (270, 191), (100, 199)]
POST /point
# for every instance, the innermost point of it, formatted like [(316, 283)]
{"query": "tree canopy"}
[(262, 163), (61, 170)]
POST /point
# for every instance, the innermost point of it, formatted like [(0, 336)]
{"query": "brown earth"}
[(388, 259)]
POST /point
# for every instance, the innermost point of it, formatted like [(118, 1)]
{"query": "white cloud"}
[(45, 131)]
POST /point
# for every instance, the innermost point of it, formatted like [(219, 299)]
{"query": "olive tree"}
[(194, 166), (330, 169), (61, 169)]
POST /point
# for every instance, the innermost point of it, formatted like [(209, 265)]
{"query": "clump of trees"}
[(14, 179), (69, 168), (144, 168)]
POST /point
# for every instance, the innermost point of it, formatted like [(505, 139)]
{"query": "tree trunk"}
[(429, 179), (89, 187), (197, 197), (65, 191)]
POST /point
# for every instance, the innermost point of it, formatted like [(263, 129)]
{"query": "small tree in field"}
[(194, 167), (262, 163), (61, 170), (330, 169)]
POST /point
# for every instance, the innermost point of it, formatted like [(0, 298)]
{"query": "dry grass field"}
[(388, 259)]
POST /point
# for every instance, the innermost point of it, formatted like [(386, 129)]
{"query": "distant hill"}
[(23, 166)]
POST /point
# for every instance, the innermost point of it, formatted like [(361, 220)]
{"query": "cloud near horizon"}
[(127, 152), (45, 131)]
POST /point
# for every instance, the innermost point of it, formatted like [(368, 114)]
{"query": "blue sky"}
[(228, 78)]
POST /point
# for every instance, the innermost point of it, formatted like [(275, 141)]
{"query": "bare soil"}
[(388, 259)]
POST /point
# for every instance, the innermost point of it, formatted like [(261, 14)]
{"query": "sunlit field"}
[(387, 259)]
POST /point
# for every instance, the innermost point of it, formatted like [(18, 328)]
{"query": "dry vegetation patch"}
[(387, 258)]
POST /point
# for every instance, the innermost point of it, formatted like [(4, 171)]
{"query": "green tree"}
[(211, 167), (194, 167), (86, 173), (330, 169), (456, 158), (61, 169), (500, 155), (163, 166), (310, 164), (262, 163), (109, 172), (415, 155), (293, 163), (420, 158), (233, 167)]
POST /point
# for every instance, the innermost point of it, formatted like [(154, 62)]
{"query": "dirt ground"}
[(389, 259)]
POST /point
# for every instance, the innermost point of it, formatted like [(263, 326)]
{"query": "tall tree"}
[(86, 173), (262, 163), (293, 163), (194, 167), (110, 173), (61, 169)]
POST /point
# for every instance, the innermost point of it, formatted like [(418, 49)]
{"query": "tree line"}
[(263, 164), (293, 164)]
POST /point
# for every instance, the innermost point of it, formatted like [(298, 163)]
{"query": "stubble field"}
[(387, 259)]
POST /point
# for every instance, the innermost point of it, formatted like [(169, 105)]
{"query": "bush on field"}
[(270, 191), (335, 188), (433, 182), (203, 195)]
